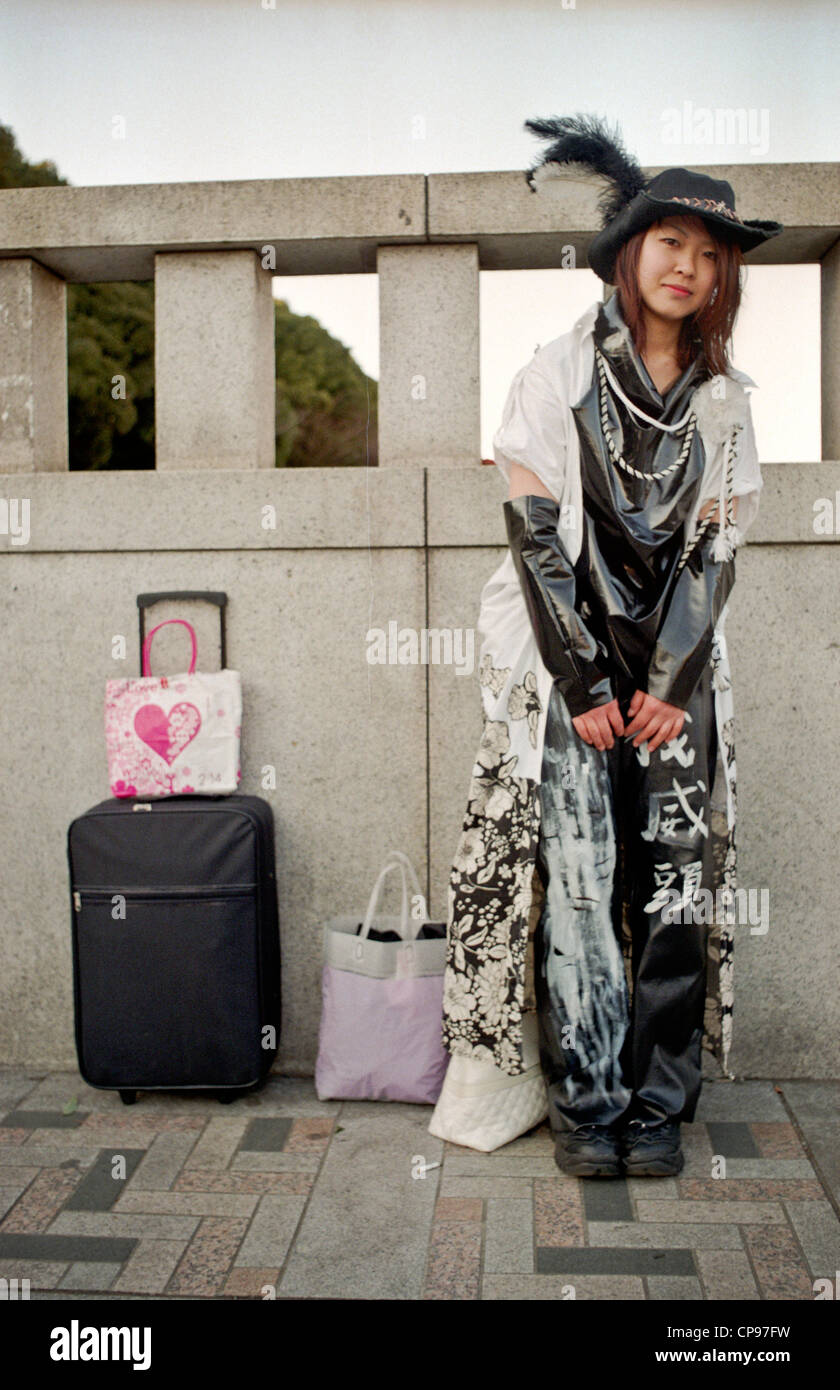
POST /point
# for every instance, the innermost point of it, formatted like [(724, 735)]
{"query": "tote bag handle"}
[(147, 645), (408, 933), (398, 855)]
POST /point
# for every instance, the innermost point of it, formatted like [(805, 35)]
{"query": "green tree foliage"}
[(15, 169), (111, 374), (325, 405)]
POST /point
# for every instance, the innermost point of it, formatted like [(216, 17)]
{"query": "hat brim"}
[(643, 210)]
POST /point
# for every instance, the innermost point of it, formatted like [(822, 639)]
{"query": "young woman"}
[(629, 452)]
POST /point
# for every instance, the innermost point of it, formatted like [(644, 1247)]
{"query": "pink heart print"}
[(167, 735)]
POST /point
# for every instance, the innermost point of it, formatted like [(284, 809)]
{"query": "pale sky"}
[(235, 89)]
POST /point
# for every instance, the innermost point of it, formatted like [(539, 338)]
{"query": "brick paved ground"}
[(179, 1196)]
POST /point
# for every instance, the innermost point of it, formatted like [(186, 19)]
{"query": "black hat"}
[(629, 202)]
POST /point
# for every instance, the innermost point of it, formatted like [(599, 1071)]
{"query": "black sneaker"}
[(651, 1148), (589, 1151)]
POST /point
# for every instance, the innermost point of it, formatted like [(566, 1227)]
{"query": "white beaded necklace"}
[(688, 422)]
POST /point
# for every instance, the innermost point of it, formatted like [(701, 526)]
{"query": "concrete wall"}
[(367, 758), (359, 770)]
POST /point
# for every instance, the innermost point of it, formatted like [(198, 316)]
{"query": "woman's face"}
[(677, 267)]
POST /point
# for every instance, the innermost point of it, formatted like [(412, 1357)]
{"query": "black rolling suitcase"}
[(176, 951)]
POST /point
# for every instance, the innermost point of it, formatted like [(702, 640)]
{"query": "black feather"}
[(589, 141)]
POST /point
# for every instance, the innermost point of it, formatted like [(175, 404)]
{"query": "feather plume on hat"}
[(585, 149)]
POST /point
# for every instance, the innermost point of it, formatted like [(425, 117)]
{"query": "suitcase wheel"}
[(128, 1097), (227, 1097)]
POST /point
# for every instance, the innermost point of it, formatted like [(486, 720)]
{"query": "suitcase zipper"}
[(223, 890)]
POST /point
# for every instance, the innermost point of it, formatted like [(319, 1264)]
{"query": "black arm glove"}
[(686, 635), (570, 652)]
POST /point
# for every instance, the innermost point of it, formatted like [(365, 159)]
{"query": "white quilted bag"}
[(482, 1107)]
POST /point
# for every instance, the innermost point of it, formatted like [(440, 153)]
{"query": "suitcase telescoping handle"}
[(145, 601)]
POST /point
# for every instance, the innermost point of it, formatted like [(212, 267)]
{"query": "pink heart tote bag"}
[(173, 734)]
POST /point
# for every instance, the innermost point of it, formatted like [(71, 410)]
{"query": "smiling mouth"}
[(678, 289)]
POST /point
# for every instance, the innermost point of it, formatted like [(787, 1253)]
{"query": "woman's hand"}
[(596, 725), (653, 720)]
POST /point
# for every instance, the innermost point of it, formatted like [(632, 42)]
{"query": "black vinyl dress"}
[(653, 628), (620, 827)]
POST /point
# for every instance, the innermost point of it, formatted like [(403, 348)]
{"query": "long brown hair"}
[(715, 321)]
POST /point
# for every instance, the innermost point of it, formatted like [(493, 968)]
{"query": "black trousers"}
[(602, 1059)]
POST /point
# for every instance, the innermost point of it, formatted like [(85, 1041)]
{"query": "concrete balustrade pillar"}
[(33, 368), (214, 361), (830, 345), (429, 356)]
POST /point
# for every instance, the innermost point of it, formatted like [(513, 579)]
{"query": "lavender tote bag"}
[(382, 1013)]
